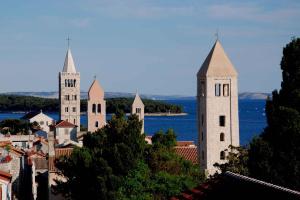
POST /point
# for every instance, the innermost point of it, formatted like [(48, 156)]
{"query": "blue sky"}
[(156, 47)]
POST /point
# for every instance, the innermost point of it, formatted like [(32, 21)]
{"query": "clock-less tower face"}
[(69, 92), (217, 108)]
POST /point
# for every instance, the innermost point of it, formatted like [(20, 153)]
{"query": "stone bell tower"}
[(69, 92), (138, 108), (96, 107), (217, 108)]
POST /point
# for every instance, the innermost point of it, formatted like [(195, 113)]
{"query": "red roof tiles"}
[(64, 124), (188, 152)]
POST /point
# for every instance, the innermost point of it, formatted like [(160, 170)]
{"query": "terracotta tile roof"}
[(5, 176), (189, 153), (64, 124), (185, 143), (13, 149), (58, 153)]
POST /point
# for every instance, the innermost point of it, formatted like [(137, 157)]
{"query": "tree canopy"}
[(275, 155), (116, 163)]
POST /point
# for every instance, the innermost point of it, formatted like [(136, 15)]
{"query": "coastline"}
[(166, 114)]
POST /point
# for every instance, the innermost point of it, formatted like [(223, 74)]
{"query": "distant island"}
[(16, 103), (109, 95)]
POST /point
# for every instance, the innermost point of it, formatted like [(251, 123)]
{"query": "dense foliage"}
[(28, 103), (16, 126), (275, 155), (116, 163)]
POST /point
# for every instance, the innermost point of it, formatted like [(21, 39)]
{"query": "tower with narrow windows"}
[(96, 107), (138, 108), (69, 92), (217, 108)]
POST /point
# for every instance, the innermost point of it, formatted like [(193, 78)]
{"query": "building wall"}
[(211, 107), (70, 115), (5, 189), (43, 120), (94, 117), (140, 115), (65, 134)]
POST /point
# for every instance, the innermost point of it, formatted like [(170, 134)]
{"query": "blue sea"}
[(251, 115)]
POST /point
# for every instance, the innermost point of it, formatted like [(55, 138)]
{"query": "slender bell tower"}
[(69, 92), (138, 108), (96, 107), (217, 108)]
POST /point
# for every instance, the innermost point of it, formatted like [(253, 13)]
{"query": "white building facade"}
[(217, 108), (69, 92)]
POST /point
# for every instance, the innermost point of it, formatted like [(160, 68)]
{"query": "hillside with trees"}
[(15, 103)]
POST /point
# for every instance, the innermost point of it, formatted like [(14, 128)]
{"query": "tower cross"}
[(217, 34), (68, 39)]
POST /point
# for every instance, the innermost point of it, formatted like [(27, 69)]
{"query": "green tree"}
[(275, 155), (237, 161), (95, 171)]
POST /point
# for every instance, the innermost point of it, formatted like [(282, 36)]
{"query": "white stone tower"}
[(217, 108), (138, 108), (69, 92), (96, 107)]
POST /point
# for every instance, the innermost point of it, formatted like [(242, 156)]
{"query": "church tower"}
[(217, 108), (96, 107), (138, 108), (69, 92)]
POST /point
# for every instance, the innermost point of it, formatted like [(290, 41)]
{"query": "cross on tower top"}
[(68, 39), (217, 34)]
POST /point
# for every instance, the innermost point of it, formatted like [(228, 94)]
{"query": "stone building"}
[(96, 110), (69, 92), (65, 132), (43, 120), (217, 108), (5, 185), (138, 108)]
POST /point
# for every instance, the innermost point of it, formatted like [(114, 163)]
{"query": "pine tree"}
[(275, 155)]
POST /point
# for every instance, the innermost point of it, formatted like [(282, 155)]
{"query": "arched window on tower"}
[(96, 124), (66, 83), (222, 155), (69, 84), (74, 82), (99, 108), (222, 137), (94, 108)]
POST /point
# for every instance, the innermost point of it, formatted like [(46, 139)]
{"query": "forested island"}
[(15, 103)]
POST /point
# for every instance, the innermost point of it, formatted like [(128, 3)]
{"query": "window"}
[(67, 97), (66, 109), (202, 136), (222, 137), (226, 90), (202, 89), (74, 121), (99, 108), (222, 155), (41, 122), (138, 110), (74, 82), (74, 109), (218, 89), (75, 97), (47, 123), (66, 83), (222, 120), (94, 108), (96, 124), (69, 83)]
